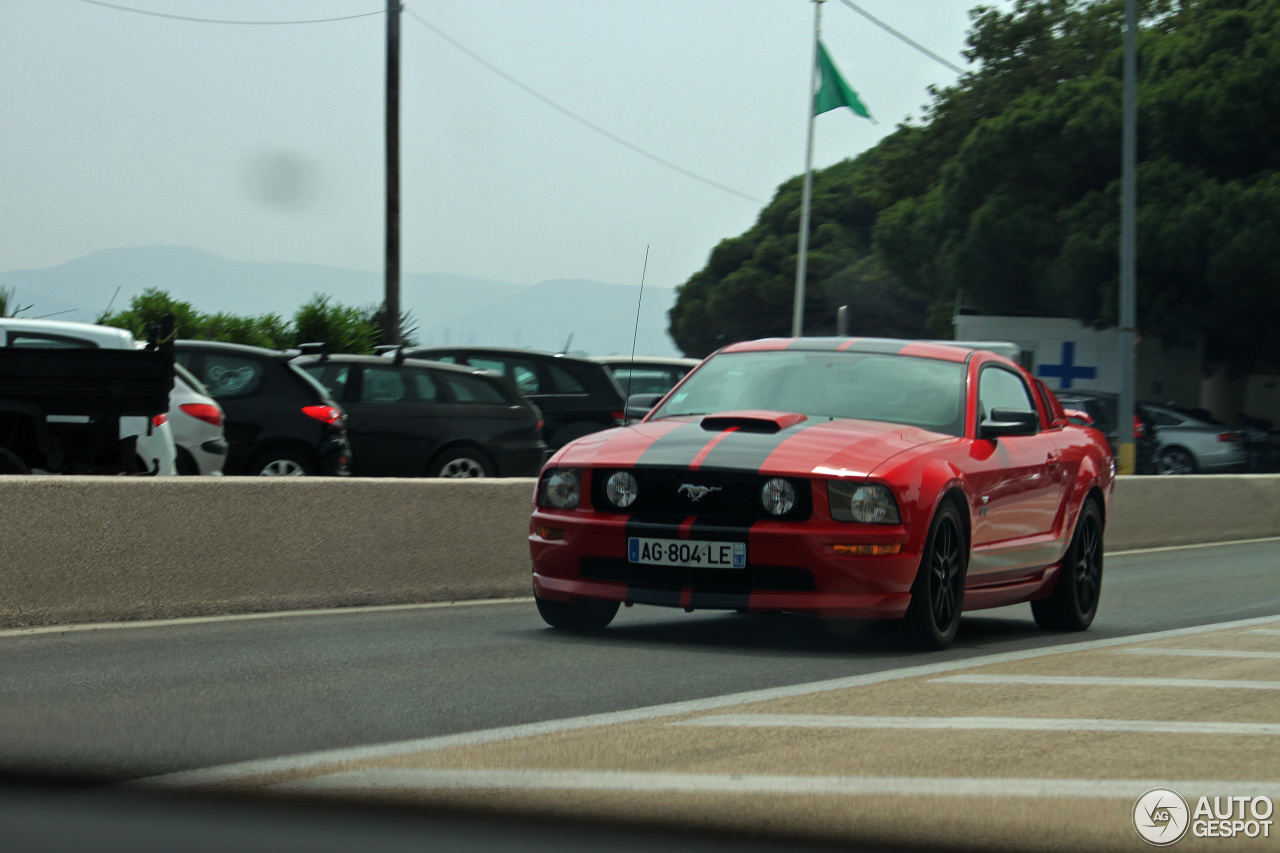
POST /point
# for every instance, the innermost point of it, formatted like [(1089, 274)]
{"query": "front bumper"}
[(791, 566)]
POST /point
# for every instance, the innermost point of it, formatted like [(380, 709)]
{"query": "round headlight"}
[(621, 489), (562, 489), (778, 496)]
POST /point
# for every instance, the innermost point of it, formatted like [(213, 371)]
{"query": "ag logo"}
[(1161, 816), (696, 493)]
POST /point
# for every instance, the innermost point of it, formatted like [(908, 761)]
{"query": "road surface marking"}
[(243, 617), (1030, 724), (1109, 681), (258, 767), (1200, 653), (694, 783)]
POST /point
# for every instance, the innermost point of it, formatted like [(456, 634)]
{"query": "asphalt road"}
[(133, 702)]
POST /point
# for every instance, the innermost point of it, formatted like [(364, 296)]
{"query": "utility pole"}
[(1128, 241), (806, 193), (391, 300)]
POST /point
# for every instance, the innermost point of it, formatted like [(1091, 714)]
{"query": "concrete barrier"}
[(88, 549)]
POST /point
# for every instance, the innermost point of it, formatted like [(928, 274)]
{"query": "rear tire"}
[(937, 596), (1074, 601), (583, 614), (1175, 460), (281, 463), (461, 463)]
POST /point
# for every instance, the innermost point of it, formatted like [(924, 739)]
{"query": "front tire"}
[(937, 596), (11, 463), (1074, 601), (583, 614)]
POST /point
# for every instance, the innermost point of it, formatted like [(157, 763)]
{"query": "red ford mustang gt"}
[(862, 477)]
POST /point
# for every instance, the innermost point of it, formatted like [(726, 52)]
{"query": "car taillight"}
[(204, 412), (324, 414), (540, 424), (619, 418), (159, 420), (1139, 431), (1228, 436)]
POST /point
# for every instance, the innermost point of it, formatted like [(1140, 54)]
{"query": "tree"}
[(1008, 190)]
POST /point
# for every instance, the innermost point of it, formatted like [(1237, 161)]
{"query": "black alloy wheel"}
[(937, 596), (583, 614), (1074, 601)]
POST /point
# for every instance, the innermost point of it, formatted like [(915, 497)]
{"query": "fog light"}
[(548, 532), (778, 496), (621, 489)]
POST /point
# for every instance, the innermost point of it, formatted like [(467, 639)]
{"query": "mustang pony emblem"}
[(696, 493)]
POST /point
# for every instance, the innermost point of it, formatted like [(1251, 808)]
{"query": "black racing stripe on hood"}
[(747, 451), (677, 448)]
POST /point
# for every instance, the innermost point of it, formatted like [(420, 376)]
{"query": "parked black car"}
[(279, 421), (1101, 407), (409, 418), (576, 396)]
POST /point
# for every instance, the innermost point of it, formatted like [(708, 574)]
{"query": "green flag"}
[(834, 93)]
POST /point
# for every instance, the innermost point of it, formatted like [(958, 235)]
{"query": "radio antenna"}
[(632, 369)]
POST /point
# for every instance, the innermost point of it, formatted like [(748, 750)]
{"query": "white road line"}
[(1028, 724), (383, 779), (1109, 681), (244, 617), (1201, 653), (1190, 546), (258, 767)]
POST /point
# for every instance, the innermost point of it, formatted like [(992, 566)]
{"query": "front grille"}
[(730, 497)]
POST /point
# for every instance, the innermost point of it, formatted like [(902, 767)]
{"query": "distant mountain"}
[(447, 308)]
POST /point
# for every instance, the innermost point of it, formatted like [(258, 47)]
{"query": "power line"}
[(891, 31), (571, 114), (221, 21)]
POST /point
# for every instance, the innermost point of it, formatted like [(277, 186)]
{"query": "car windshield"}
[(898, 389)]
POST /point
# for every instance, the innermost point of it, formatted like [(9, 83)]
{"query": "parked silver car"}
[(1193, 442)]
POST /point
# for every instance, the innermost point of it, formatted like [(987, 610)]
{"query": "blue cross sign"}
[(1068, 370)]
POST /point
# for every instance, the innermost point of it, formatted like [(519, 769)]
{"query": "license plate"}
[(680, 552)]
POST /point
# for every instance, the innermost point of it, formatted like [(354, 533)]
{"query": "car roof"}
[(625, 360), (497, 351), (886, 346), (113, 336), (228, 347), (381, 361)]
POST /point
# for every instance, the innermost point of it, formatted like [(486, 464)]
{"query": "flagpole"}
[(802, 258)]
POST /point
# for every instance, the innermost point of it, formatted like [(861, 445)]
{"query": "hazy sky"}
[(265, 143)]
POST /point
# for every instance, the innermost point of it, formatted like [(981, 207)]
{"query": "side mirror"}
[(639, 405), (1009, 422), (1078, 417)]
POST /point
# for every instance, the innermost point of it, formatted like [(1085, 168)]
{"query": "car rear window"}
[(473, 389), (229, 376)]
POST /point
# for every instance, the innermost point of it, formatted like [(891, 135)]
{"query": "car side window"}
[(564, 382), (229, 376), (1160, 418), (332, 376), (472, 389), (382, 385), (1002, 389), (521, 372), (425, 389)]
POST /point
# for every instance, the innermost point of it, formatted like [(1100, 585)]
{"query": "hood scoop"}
[(752, 421)]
